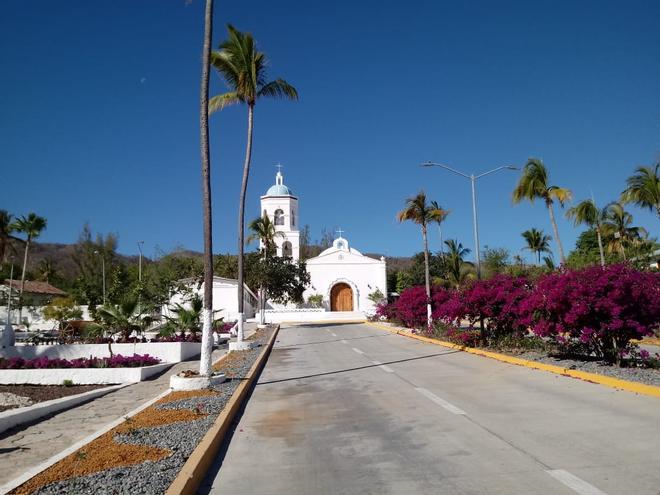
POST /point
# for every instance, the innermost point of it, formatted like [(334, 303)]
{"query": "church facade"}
[(343, 276)]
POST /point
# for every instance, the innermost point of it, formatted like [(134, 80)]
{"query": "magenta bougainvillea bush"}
[(410, 308), (116, 361), (602, 308), (496, 301)]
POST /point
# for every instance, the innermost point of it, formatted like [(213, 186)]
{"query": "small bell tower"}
[(281, 206)]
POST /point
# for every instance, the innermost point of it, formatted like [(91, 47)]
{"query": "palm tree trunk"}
[(600, 246), (20, 292), (556, 231), (241, 220), (427, 278), (205, 364)]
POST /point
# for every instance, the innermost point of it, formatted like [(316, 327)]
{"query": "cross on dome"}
[(339, 231)]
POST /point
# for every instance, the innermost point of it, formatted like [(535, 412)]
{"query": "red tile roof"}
[(35, 287)]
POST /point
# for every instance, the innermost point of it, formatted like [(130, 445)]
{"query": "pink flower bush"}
[(116, 361), (601, 308), (497, 301), (410, 308)]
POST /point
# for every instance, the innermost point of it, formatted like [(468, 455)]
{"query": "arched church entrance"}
[(341, 297)]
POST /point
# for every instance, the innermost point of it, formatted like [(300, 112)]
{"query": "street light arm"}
[(509, 167), (431, 164)]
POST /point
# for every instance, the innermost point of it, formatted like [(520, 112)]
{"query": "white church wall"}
[(363, 278)]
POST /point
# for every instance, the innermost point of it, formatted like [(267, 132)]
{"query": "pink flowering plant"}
[(602, 309), (116, 361), (496, 302), (410, 308)]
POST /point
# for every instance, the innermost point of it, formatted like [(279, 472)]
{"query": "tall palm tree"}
[(458, 270), (243, 68), (205, 362), (619, 230), (439, 220), (586, 212), (418, 211), (534, 184), (7, 227), (644, 188), (32, 226), (537, 242), (264, 231)]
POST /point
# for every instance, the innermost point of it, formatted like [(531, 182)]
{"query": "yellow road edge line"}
[(192, 473), (329, 322), (638, 388)]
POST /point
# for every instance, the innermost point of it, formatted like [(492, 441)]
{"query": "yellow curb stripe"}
[(194, 470), (648, 341), (638, 388)]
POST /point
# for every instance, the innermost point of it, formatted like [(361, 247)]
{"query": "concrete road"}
[(350, 409)]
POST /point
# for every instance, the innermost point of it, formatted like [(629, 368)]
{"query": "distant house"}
[(35, 296), (225, 298), (40, 293)]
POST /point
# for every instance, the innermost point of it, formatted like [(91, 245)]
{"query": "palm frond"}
[(219, 102), (278, 88)]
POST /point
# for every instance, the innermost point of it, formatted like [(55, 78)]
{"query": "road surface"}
[(351, 409)]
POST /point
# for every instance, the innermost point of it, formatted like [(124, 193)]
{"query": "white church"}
[(342, 275)]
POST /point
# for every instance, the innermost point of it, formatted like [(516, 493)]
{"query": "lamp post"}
[(8, 336), (473, 179), (103, 272), (140, 244)]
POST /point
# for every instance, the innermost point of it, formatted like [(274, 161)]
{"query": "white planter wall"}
[(167, 352), (79, 376)]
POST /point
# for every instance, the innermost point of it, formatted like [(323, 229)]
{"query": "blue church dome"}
[(279, 189)]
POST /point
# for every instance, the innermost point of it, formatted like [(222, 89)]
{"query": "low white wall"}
[(22, 415), (306, 315), (168, 352), (79, 376)]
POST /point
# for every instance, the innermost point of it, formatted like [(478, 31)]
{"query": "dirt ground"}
[(41, 393)]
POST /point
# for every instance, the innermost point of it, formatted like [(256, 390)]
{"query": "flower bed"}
[(117, 361)]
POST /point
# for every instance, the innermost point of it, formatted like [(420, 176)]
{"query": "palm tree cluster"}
[(612, 223)]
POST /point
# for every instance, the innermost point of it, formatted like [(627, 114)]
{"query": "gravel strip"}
[(647, 376), (151, 478)]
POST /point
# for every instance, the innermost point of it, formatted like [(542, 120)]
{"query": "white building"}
[(345, 278), (341, 274), (225, 298)]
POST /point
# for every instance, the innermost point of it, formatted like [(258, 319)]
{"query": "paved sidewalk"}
[(24, 447)]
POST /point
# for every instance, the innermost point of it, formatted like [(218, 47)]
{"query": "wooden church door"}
[(341, 298)]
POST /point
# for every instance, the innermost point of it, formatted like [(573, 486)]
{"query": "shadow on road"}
[(358, 368)]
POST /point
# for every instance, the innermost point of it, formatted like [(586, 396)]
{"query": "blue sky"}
[(99, 118)]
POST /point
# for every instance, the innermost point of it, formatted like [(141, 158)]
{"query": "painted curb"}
[(194, 470), (638, 388), (22, 415)]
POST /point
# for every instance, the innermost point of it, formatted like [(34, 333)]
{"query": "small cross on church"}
[(339, 231), (279, 167)]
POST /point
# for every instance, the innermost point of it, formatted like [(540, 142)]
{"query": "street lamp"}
[(8, 336), (103, 271), (473, 178), (140, 244)]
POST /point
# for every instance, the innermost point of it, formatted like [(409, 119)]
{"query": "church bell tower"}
[(281, 206)]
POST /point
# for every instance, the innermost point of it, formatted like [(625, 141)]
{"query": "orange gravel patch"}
[(99, 455), (104, 453), (179, 395)]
